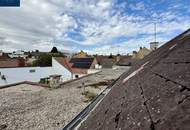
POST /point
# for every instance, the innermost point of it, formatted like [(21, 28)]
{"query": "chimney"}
[(118, 57), (55, 81), (1, 53), (153, 46)]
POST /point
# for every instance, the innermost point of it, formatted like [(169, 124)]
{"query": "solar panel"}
[(73, 60), (83, 63)]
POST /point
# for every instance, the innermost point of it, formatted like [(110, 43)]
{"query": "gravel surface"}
[(36, 108)]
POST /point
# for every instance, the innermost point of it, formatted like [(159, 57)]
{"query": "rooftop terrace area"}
[(32, 107)]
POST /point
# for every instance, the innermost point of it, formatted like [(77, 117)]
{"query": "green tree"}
[(54, 50), (44, 60)]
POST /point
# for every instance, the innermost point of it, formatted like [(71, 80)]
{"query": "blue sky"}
[(95, 26)]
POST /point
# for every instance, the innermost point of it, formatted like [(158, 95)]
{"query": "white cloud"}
[(127, 47), (34, 21), (137, 6), (46, 23)]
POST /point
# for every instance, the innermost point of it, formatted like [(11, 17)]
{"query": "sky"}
[(95, 26)]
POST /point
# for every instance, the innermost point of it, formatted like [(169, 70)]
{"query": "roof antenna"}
[(155, 32), (118, 46)]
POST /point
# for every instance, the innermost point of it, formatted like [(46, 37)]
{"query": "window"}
[(32, 71)]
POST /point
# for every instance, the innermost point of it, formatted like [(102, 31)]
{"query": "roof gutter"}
[(75, 123)]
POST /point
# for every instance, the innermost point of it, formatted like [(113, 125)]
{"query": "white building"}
[(18, 54), (60, 66), (34, 74), (77, 67)]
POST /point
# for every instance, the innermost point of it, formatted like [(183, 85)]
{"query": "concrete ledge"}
[(25, 82), (72, 80), (44, 85)]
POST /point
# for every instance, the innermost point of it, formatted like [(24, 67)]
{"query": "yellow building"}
[(141, 53), (81, 54)]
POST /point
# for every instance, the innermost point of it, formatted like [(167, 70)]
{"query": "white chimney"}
[(55, 81), (1, 53)]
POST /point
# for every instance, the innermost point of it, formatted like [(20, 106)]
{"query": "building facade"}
[(34, 74), (77, 67)]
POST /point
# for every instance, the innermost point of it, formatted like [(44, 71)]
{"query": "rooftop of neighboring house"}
[(126, 61), (111, 60), (11, 63), (4, 56), (101, 58), (81, 54), (76, 65), (108, 63), (18, 52), (143, 51), (26, 106), (152, 95)]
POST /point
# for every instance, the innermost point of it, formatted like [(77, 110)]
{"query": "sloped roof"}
[(69, 65), (81, 54), (141, 53), (153, 95), (63, 61), (83, 63), (101, 59), (4, 56), (126, 61), (108, 63), (11, 63)]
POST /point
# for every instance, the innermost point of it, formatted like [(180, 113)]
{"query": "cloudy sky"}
[(96, 26)]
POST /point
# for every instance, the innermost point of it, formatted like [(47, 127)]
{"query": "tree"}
[(54, 50), (37, 51), (110, 56), (44, 60)]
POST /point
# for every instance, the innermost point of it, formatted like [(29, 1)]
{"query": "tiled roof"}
[(153, 95), (4, 56), (69, 65), (11, 63), (81, 63), (101, 59), (108, 62), (141, 53), (126, 61)]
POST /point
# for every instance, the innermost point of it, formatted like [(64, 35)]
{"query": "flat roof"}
[(33, 107)]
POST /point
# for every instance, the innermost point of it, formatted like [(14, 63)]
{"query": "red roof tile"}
[(10, 63), (4, 56), (68, 65)]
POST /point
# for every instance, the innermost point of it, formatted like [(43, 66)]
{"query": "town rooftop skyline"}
[(99, 26)]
